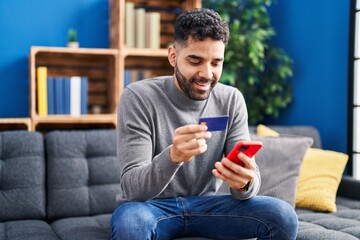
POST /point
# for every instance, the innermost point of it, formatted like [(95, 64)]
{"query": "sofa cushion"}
[(279, 163), (319, 179), (22, 175), (95, 227), (343, 224), (27, 229), (83, 173)]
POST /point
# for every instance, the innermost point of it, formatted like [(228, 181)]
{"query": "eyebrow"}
[(198, 57)]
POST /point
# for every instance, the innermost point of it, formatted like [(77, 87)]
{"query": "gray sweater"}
[(149, 112)]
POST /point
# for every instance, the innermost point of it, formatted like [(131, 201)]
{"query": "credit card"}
[(218, 123)]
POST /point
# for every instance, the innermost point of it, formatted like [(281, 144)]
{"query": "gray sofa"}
[(63, 186)]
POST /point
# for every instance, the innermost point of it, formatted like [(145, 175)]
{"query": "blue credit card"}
[(218, 123)]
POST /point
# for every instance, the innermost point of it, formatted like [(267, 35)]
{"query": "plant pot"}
[(73, 44)]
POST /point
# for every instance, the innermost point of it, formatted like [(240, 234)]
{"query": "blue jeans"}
[(217, 217)]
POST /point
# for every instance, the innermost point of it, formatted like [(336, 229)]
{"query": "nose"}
[(206, 71)]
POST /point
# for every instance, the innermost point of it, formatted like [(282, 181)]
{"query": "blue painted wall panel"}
[(316, 35)]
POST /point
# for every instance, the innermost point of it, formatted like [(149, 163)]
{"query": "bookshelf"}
[(99, 65), (153, 60)]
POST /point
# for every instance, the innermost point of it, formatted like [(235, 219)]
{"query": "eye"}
[(194, 62), (216, 64)]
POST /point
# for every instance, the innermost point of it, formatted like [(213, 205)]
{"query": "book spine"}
[(75, 96), (42, 102), (140, 27), (127, 78), (66, 90), (84, 95), (129, 25), (59, 96), (51, 96), (154, 30)]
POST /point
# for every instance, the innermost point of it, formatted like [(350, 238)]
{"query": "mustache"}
[(202, 80)]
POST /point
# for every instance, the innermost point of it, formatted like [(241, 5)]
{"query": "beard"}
[(188, 86)]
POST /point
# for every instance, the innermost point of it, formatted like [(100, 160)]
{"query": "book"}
[(152, 29), (75, 96), (127, 77), (66, 97), (59, 95), (84, 95), (51, 95), (42, 101), (140, 27), (129, 25)]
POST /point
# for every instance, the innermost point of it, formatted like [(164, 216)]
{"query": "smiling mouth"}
[(202, 82)]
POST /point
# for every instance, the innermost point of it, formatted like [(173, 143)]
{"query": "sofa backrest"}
[(82, 173), (22, 176), (305, 131)]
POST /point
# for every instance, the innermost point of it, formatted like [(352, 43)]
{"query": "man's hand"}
[(189, 141), (235, 175)]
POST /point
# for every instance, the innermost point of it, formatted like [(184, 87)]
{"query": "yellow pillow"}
[(264, 131), (319, 179), (320, 175)]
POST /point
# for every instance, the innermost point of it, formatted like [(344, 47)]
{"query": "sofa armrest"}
[(348, 188)]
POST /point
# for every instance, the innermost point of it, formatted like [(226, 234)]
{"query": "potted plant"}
[(72, 38), (258, 69)]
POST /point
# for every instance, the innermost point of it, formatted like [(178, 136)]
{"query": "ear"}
[(172, 55)]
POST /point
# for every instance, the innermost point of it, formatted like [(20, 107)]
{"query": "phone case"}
[(249, 148)]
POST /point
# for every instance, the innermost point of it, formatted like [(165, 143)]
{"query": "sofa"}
[(62, 185)]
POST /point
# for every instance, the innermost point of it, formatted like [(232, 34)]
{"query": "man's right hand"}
[(189, 141)]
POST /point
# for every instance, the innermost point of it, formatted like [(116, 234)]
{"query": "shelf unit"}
[(99, 65), (154, 60)]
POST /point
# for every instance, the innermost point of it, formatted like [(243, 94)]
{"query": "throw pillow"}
[(319, 179), (279, 162), (262, 130)]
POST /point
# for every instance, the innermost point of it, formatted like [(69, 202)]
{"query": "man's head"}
[(198, 52)]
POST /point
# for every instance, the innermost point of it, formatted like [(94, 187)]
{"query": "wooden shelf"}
[(99, 65), (68, 122), (15, 124)]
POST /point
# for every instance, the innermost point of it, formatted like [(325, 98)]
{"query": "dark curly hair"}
[(200, 24)]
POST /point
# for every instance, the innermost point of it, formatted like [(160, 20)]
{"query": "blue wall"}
[(313, 33), (316, 35), (42, 23)]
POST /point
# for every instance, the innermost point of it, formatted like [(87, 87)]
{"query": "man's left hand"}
[(235, 175)]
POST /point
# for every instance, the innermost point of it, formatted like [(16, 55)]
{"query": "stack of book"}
[(142, 28), (61, 95)]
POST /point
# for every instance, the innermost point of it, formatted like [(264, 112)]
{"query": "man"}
[(171, 166)]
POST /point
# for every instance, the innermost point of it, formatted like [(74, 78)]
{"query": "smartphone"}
[(249, 148)]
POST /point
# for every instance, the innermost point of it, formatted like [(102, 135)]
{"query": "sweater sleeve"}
[(143, 176)]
